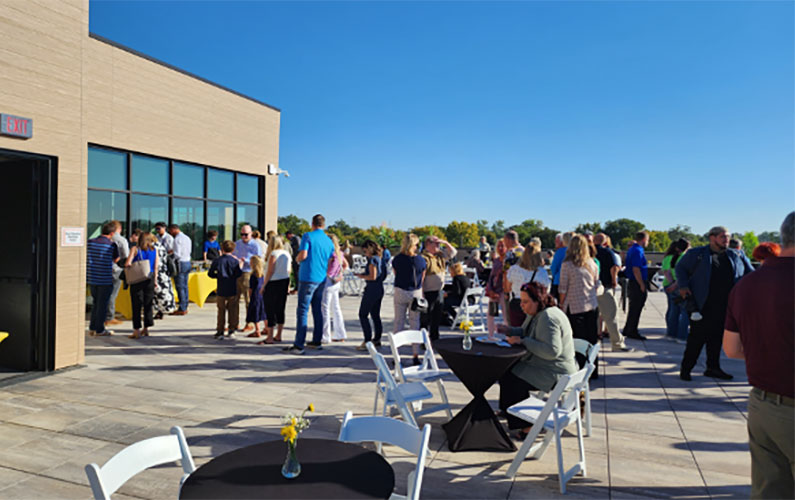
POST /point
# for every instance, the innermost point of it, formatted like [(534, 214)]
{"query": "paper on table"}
[(487, 340)]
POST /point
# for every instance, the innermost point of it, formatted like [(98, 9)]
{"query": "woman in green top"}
[(676, 318), (546, 333)]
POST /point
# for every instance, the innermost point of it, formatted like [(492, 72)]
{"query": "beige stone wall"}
[(79, 90)]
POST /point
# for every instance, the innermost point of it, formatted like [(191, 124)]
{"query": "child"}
[(226, 269), (256, 301), (211, 248)]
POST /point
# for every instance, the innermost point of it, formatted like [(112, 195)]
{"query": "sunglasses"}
[(245, 234)]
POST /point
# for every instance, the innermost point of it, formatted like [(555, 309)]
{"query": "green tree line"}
[(464, 234)]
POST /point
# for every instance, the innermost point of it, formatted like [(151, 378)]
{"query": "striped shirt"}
[(101, 253)]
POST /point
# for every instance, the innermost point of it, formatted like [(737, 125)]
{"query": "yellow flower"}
[(292, 421), (466, 325), (311, 407), (289, 433)]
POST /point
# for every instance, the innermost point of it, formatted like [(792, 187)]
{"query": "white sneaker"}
[(230, 335)]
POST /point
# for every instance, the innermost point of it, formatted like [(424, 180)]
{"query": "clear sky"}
[(416, 113)]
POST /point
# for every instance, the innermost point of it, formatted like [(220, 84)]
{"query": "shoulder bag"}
[(139, 270)]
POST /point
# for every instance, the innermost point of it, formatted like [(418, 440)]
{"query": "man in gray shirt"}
[(181, 248), (124, 250)]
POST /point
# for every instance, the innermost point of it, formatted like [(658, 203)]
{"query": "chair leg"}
[(446, 402), (581, 443), (587, 411), (539, 451), (375, 404), (523, 450), (561, 470)]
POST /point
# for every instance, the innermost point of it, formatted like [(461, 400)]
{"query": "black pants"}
[(433, 317), (586, 326), (275, 295), (514, 390), (637, 299), (708, 330), (143, 295), (371, 306)]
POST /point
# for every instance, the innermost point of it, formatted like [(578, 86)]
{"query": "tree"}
[(547, 236), (773, 236), (484, 230), (293, 223), (462, 234), (658, 241), (594, 227), (527, 229), (424, 231), (498, 228), (685, 232), (621, 229), (750, 241)]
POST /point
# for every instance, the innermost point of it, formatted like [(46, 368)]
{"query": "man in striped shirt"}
[(102, 253)]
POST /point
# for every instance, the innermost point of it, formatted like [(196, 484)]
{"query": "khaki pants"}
[(608, 308), (242, 289), (771, 437), (227, 306)]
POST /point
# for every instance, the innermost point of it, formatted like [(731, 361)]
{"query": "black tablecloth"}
[(475, 427), (329, 469)]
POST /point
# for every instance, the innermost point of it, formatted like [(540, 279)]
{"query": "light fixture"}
[(274, 170)]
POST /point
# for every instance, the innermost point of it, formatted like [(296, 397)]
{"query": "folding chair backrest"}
[(588, 350), (409, 337), (574, 383), (394, 432), (138, 457), (385, 378)]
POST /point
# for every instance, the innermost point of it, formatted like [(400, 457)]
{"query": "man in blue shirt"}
[(101, 255), (313, 254), (561, 245), (245, 248), (635, 268)]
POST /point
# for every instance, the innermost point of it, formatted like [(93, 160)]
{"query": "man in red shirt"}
[(760, 328)]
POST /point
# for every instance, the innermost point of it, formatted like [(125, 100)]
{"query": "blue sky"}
[(416, 113)]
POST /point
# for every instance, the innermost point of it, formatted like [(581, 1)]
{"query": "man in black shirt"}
[(609, 265)]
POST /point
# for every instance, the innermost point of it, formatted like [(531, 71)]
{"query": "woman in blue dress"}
[(256, 303)]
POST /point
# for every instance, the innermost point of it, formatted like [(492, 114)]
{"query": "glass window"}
[(220, 185), (189, 215), (107, 169), (248, 214), (248, 188), (188, 180), (220, 217), (147, 211), (105, 206), (149, 175)]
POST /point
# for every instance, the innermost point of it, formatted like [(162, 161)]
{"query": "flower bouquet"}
[(467, 343), (292, 427)]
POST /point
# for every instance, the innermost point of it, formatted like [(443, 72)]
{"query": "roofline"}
[(179, 70)]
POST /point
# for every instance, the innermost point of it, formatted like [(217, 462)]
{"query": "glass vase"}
[(291, 468), (467, 342)]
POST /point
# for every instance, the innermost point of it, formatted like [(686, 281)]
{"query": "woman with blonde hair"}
[(256, 302), (530, 268), (579, 284), (142, 294), (276, 286), (455, 295), (330, 306), (409, 269)]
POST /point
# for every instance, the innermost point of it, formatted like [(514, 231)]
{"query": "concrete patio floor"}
[(653, 435)]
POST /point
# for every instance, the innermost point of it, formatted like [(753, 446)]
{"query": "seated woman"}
[(546, 333), (456, 292)]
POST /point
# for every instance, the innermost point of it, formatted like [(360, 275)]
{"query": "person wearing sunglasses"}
[(245, 248)]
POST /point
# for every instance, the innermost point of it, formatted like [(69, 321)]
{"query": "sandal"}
[(266, 341), (145, 332), (254, 335)]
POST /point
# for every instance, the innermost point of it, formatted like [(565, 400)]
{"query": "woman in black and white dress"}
[(164, 294)]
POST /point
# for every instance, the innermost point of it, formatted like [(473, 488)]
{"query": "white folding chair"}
[(395, 394), (137, 457), (467, 311), (386, 430), (561, 409), (590, 351), (427, 371)]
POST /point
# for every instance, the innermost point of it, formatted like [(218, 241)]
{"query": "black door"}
[(27, 261)]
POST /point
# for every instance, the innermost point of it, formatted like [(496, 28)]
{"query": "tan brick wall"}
[(79, 90)]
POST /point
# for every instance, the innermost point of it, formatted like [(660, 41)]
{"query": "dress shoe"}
[(178, 313), (623, 348), (718, 374), (685, 376), (637, 336)]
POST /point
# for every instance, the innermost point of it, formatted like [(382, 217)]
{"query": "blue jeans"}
[(309, 293), (101, 295), (676, 318), (181, 280)]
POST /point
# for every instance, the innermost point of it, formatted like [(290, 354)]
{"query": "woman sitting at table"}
[(546, 333), (456, 292)]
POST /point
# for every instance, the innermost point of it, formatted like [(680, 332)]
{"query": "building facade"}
[(94, 131)]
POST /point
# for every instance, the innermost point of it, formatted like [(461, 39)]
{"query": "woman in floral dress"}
[(164, 294)]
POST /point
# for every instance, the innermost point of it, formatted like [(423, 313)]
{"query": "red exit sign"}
[(16, 126)]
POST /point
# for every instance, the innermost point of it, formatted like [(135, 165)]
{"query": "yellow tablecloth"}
[(3, 336), (200, 286)]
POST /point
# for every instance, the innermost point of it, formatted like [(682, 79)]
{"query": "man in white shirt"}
[(245, 248), (163, 237), (181, 247)]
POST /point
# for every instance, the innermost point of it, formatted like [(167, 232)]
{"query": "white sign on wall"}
[(72, 236)]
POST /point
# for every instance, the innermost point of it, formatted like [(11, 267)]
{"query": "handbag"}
[(138, 271)]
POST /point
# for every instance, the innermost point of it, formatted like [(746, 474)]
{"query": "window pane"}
[(220, 185), (220, 218), (188, 180), (189, 215), (248, 188), (149, 175), (147, 211), (105, 206), (107, 169), (248, 214)]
